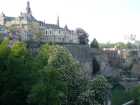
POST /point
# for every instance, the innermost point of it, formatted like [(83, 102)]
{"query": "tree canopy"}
[(94, 44), (51, 77)]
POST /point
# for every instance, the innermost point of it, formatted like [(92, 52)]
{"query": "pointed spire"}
[(58, 21), (2, 14), (66, 27), (44, 22), (28, 9)]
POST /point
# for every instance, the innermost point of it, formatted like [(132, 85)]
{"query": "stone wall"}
[(82, 53)]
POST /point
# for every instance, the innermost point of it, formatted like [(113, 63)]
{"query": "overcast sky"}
[(105, 20)]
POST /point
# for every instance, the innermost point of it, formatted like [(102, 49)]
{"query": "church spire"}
[(2, 14), (28, 9), (57, 20)]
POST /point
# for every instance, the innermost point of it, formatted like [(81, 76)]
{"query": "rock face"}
[(136, 69), (85, 55), (92, 60)]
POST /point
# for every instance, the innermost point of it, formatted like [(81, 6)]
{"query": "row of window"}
[(57, 39), (58, 32)]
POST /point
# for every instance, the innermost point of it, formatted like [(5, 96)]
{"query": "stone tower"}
[(2, 19), (28, 9), (58, 21)]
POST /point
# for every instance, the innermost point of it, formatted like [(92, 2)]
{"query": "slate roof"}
[(50, 26), (53, 26)]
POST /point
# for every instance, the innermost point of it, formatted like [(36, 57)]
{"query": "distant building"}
[(28, 28), (115, 56)]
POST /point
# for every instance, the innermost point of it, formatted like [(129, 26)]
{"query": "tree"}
[(52, 77), (96, 92), (119, 95), (94, 44), (56, 59), (87, 98), (107, 45), (82, 36), (131, 46), (101, 87), (49, 90), (4, 49), (120, 45), (15, 75), (18, 49), (135, 94)]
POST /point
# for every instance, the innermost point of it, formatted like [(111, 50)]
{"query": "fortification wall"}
[(85, 55), (82, 53)]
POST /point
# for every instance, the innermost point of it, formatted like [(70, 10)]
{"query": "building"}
[(28, 28), (115, 56)]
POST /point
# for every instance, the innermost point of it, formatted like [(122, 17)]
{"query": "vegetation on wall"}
[(51, 77)]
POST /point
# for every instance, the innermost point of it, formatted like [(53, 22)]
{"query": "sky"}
[(105, 20)]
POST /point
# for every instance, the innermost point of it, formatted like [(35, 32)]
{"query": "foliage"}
[(52, 77), (18, 50), (87, 98), (119, 96), (58, 59), (4, 49), (15, 76), (49, 90), (94, 44), (119, 45), (135, 94), (106, 45), (101, 86), (96, 93), (131, 46)]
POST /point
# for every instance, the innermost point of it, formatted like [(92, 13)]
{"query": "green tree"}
[(94, 44), (100, 86), (15, 77), (96, 92), (120, 45), (131, 45), (18, 49), (107, 45), (119, 95), (49, 90), (87, 98), (57, 58), (135, 94), (4, 49)]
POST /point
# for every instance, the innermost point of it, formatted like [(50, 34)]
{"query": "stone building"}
[(115, 56), (29, 28), (35, 33)]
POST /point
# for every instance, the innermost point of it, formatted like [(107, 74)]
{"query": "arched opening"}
[(95, 66)]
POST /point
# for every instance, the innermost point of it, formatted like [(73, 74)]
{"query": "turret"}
[(66, 27), (2, 14), (28, 9), (2, 18), (58, 21)]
